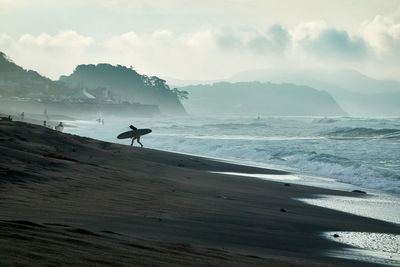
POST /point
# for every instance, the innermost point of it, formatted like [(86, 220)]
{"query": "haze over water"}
[(309, 86)]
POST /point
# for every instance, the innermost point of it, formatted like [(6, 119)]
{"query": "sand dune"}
[(68, 200)]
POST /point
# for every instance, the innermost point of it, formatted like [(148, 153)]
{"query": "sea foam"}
[(359, 151)]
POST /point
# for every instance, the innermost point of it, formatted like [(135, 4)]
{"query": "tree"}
[(180, 94)]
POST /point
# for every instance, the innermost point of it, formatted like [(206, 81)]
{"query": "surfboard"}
[(130, 134)]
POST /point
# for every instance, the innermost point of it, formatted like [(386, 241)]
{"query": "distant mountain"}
[(255, 98), (356, 93), (128, 84), (18, 82), (180, 83)]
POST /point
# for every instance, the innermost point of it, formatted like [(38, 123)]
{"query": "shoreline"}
[(344, 169), (51, 179)]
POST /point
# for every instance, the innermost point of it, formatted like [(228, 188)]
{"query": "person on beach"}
[(45, 114), (59, 127), (9, 118), (136, 137)]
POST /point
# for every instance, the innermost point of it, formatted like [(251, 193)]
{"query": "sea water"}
[(360, 151), (344, 153)]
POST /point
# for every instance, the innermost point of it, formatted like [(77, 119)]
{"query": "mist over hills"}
[(115, 84), (356, 93), (277, 92), (256, 98), (128, 84)]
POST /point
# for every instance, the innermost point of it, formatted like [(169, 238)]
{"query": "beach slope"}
[(67, 199)]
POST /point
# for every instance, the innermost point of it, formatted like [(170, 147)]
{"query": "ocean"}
[(363, 152), (346, 153)]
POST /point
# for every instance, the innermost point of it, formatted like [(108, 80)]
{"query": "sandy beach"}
[(70, 200)]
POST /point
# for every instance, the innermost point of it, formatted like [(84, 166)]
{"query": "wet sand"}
[(68, 200)]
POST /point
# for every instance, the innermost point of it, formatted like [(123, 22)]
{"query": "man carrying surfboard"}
[(137, 137), (135, 134)]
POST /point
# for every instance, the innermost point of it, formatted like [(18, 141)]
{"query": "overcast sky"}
[(203, 39)]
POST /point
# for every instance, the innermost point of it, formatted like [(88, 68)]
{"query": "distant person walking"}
[(45, 114), (59, 127), (22, 116), (9, 118), (135, 137)]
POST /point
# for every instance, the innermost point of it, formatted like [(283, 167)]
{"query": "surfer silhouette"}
[(134, 134), (135, 137)]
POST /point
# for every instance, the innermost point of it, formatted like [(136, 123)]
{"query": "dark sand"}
[(69, 200)]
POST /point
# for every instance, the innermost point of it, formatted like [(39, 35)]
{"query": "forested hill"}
[(9, 70), (16, 81), (128, 84), (255, 98)]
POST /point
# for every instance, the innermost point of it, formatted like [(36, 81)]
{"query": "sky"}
[(203, 40)]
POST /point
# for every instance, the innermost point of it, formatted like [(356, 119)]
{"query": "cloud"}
[(317, 39), (276, 39), (308, 31), (5, 40), (51, 55), (229, 38), (278, 35), (66, 40), (336, 43), (213, 53), (383, 35)]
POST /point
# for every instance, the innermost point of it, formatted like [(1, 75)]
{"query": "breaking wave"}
[(363, 133), (363, 152)]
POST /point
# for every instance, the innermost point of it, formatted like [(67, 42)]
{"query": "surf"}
[(359, 151)]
